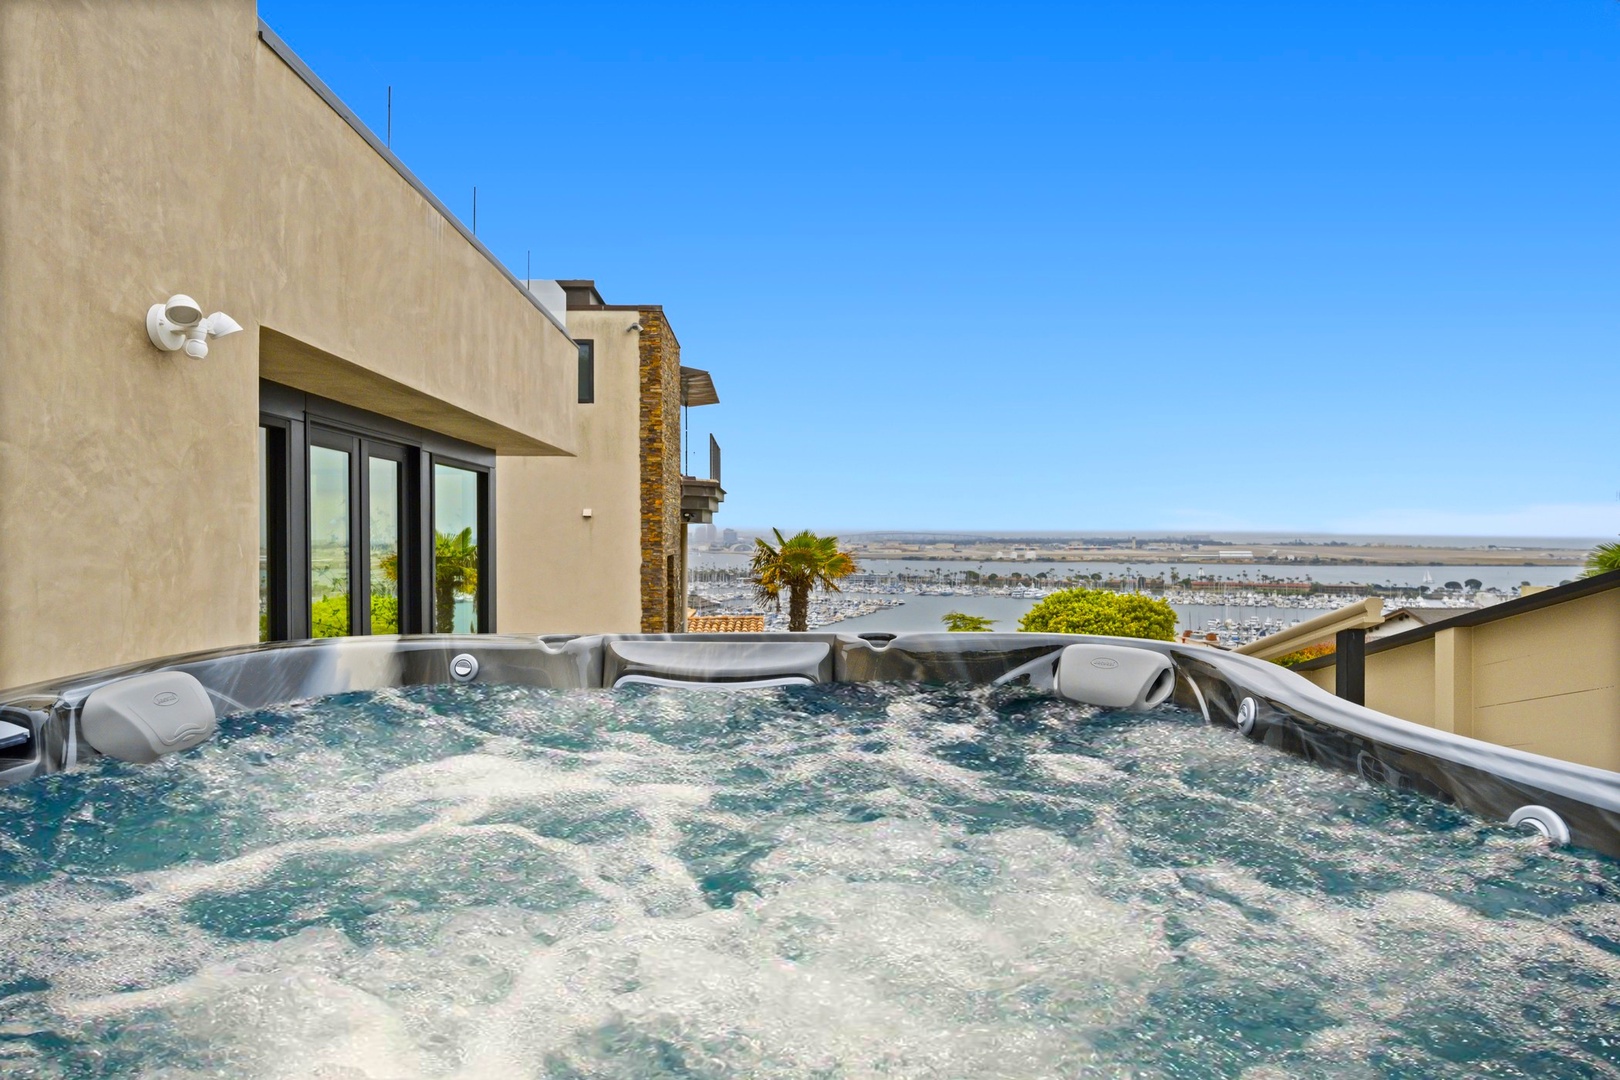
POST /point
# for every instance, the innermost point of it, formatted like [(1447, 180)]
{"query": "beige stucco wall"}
[(357, 264), (148, 149), (1545, 681), (128, 493), (558, 571)]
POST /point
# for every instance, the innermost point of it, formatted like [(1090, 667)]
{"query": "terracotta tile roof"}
[(726, 624)]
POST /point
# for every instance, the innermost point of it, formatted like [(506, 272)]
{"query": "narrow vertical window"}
[(329, 542), (274, 512), (383, 518), (456, 561), (587, 372), (670, 594)]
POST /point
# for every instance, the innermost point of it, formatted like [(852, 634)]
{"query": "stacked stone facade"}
[(660, 434)]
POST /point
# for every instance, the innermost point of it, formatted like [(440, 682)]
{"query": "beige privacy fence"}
[(1540, 673)]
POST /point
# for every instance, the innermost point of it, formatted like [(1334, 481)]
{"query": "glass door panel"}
[(384, 518), (456, 560), (329, 541)]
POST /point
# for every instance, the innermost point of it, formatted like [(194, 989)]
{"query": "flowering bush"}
[(1299, 656)]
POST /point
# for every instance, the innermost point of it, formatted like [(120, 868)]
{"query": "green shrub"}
[(329, 617), (384, 614), (1098, 611)]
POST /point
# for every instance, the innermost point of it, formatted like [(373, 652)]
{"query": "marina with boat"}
[(1233, 609)]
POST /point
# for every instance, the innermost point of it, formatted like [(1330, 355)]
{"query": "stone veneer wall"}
[(660, 434)]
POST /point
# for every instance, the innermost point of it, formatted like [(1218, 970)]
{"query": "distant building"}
[(728, 537), (627, 554), (1398, 622)]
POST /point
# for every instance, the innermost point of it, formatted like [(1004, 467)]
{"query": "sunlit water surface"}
[(842, 881)]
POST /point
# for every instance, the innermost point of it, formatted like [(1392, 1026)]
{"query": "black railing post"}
[(1350, 666), (714, 460)]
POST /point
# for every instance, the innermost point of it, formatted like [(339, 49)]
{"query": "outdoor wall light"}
[(179, 324)]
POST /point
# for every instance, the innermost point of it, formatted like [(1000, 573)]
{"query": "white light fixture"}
[(179, 324), (634, 327)]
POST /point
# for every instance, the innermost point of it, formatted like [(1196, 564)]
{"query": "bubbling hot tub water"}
[(845, 880)]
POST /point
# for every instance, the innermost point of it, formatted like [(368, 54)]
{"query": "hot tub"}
[(785, 855)]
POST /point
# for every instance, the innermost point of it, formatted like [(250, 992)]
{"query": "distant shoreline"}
[(1229, 549), (1411, 557)]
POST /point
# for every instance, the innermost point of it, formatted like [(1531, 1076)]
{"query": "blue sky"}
[(1344, 266)]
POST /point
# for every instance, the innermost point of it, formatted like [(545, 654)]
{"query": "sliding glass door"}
[(368, 525), (360, 558)]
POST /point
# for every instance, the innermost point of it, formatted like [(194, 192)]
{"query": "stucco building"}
[(396, 440), (618, 512)]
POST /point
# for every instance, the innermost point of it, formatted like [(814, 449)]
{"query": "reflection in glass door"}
[(456, 587), (329, 541), (384, 518)]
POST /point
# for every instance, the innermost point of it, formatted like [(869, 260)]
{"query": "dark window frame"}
[(410, 547), (283, 500), (484, 608), (329, 438), (671, 568), (587, 370)]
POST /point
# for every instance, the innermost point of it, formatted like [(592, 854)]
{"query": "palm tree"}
[(798, 564), (1602, 559), (455, 571)]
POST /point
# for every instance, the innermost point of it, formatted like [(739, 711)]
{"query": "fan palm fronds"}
[(796, 565)]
